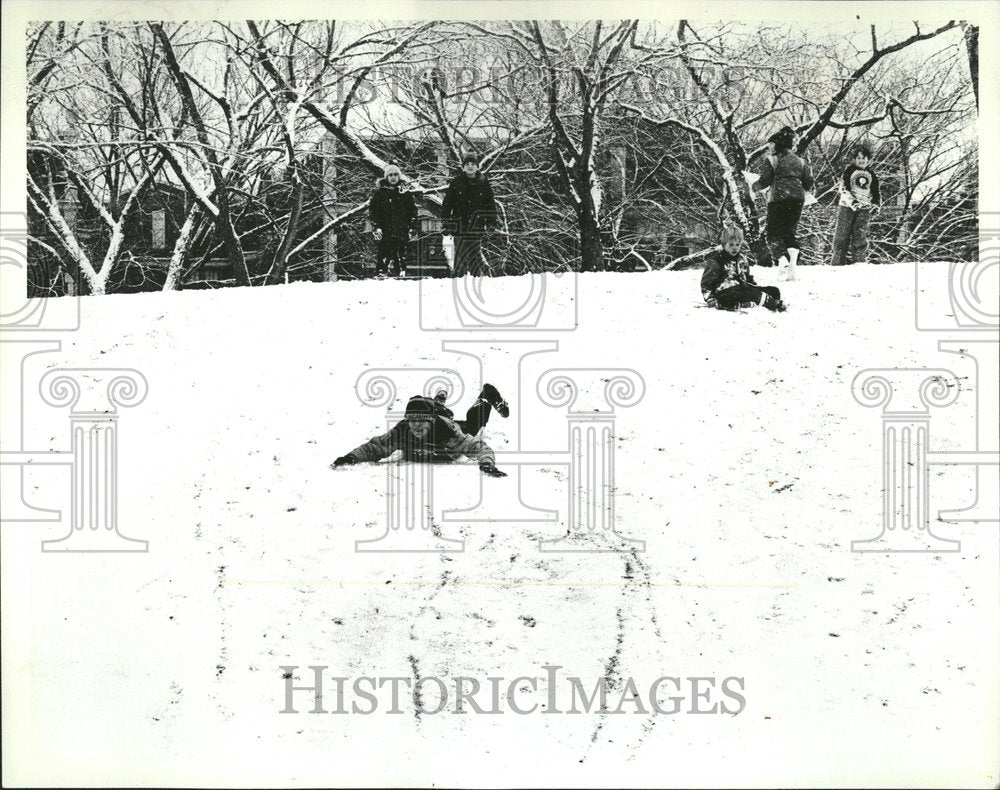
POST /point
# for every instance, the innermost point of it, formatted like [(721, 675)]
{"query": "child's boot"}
[(793, 259), (490, 395), (772, 303), (783, 271)]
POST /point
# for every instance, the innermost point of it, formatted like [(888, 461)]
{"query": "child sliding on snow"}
[(727, 282), (430, 434)]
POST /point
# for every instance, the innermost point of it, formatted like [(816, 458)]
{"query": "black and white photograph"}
[(500, 394)]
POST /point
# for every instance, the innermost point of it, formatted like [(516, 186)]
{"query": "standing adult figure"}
[(469, 211), (394, 218), (788, 178)]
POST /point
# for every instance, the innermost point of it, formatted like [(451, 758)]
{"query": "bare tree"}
[(594, 59), (610, 144), (750, 80), (81, 154)]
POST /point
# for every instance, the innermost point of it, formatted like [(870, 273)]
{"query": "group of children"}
[(469, 211), (429, 431), (468, 214), (727, 283)]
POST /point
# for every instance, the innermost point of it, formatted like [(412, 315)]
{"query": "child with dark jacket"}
[(787, 178), (859, 200), (469, 210), (428, 434), (394, 220), (727, 283)]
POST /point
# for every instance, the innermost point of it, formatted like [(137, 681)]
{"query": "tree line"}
[(600, 137)]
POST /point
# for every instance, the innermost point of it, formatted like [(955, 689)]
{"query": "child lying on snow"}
[(727, 282), (430, 434)]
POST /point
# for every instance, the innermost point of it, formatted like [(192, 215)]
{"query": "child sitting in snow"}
[(727, 283), (429, 434)]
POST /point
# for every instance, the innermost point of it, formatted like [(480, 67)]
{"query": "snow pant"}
[(476, 417), (747, 295), (782, 221), (851, 235), (390, 254), (469, 255)]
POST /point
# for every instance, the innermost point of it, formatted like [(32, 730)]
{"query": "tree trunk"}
[(330, 200), (972, 48), (280, 263), (70, 283), (757, 237), (591, 246), (180, 251), (231, 243)]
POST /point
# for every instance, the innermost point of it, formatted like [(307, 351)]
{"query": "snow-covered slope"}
[(747, 468)]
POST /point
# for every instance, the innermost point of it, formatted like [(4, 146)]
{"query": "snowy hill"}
[(747, 468)]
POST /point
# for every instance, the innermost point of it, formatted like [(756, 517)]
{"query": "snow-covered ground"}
[(747, 468)]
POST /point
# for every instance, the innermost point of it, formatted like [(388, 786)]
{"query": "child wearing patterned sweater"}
[(859, 200), (727, 283)]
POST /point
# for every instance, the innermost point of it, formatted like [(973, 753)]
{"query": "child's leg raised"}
[(476, 417)]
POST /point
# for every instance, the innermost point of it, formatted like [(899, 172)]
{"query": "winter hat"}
[(392, 169), (419, 406), (783, 138), (470, 157)]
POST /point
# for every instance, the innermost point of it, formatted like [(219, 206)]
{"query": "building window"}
[(159, 229)]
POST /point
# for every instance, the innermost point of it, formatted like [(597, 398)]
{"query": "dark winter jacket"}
[(469, 204), (392, 210), (859, 188), (724, 271), (444, 442), (787, 175)]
